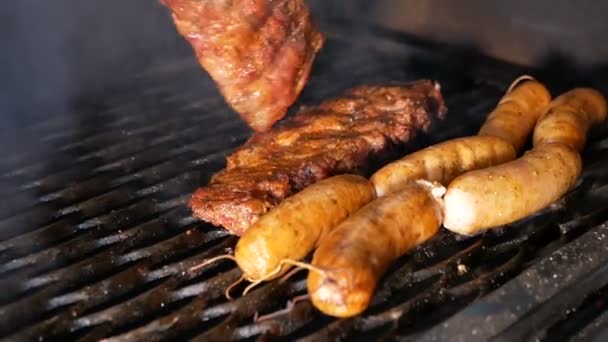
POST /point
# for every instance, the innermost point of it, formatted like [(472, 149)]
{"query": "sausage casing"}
[(356, 254), (293, 228), (443, 162), (569, 117), (514, 117), (502, 194)]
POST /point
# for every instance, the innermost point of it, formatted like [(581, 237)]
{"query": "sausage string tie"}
[(291, 273), (518, 81), (211, 261), (290, 306), (271, 274), (513, 85), (231, 286)]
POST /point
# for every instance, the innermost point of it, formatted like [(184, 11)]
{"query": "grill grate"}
[(96, 242)]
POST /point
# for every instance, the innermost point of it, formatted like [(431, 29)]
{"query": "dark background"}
[(55, 50)]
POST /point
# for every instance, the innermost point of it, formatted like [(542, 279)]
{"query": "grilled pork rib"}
[(259, 52), (339, 136)]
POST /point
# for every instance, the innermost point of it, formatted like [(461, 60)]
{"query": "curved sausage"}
[(293, 228), (355, 255), (569, 116), (502, 194), (443, 162), (514, 117)]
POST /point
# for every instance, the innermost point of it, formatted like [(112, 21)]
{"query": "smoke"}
[(54, 51)]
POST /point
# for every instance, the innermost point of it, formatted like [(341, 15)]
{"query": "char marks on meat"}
[(259, 52), (339, 136)]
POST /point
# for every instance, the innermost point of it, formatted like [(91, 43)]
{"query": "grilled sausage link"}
[(293, 228), (443, 162), (502, 194), (355, 255), (569, 117), (514, 117)]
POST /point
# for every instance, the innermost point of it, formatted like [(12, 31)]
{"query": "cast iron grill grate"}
[(96, 242)]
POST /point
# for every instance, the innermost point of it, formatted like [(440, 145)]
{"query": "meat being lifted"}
[(259, 52), (339, 136)]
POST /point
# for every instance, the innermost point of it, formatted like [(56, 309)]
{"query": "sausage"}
[(502, 194), (353, 257), (292, 229), (443, 162), (569, 117), (514, 117)]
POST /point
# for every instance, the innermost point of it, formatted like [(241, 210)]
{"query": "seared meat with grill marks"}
[(259, 52), (339, 136)]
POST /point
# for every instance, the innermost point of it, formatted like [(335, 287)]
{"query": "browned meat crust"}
[(338, 136), (259, 52)]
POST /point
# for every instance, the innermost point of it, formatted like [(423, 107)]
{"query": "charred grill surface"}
[(258, 52), (96, 238), (339, 136)]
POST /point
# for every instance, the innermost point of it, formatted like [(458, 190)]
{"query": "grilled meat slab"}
[(259, 52), (339, 136)]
